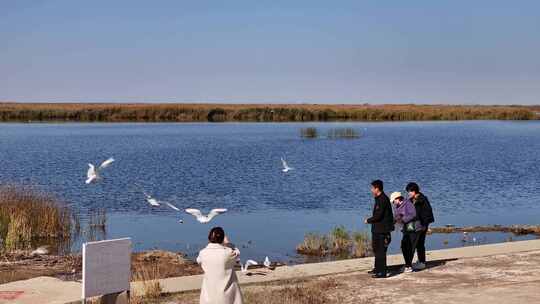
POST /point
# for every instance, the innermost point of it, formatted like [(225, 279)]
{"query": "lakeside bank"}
[(183, 112), (69, 292)]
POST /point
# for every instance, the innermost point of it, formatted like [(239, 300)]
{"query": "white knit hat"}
[(395, 195)]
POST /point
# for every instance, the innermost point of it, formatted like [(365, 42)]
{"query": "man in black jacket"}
[(424, 213), (382, 224)]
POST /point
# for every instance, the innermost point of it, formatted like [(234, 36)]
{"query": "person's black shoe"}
[(379, 275), (372, 271)]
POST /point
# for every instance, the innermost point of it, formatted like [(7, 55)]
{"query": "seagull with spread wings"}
[(286, 167), (205, 218), (93, 174)]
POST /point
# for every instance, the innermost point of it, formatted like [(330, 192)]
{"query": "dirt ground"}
[(495, 279), (21, 265)]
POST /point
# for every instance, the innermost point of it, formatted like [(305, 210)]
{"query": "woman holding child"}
[(405, 217)]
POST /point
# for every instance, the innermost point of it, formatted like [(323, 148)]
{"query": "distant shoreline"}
[(179, 112)]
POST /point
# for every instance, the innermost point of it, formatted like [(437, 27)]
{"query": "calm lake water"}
[(473, 172)]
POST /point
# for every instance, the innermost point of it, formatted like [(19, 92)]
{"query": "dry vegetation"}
[(110, 112), (308, 291), (294, 293), (515, 229), (339, 242), (28, 216), (149, 277), (334, 133)]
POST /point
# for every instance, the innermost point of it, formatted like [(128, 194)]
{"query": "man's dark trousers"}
[(380, 242)]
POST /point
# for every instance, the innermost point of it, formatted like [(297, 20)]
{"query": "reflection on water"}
[(473, 172)]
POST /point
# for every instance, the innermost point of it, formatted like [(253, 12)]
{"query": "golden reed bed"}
[(179, 112)]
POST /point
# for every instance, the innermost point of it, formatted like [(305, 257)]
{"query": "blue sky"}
[(461, 52)]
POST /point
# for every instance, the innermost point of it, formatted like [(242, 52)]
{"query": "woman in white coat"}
[(220, 284)]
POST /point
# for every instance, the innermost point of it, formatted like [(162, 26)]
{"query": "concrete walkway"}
[(50, 290)]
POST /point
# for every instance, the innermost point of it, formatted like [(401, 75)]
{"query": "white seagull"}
[(171, 206), (244, 269), (267, 263), (286, 167), (93, 173), (154, 202), (205, 218)]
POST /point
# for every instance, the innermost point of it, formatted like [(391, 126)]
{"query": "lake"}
[(481, 172)]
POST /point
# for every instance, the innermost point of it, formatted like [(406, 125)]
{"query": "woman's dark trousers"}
[(408, 246), (421, 246)]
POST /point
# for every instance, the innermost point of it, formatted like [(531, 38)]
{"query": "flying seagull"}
[(244, 269), (171, 206), (286, 167), (152, 201), (93, 173), (205, 218)]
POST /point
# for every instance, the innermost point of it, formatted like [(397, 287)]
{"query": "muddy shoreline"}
[(23, 265), (515, 229)]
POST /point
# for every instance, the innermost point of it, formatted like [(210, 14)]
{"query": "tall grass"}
[(361, 244), (28, 215), (309, 132), (97, 218), (346, 133), (338, 242), (150, 287), (314, 244), (341, 240), (22, 112)]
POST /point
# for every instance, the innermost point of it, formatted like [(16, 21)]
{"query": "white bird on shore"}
[(43, 250), (244, 269), (93, 172), (267, 263), (205, 218), (286, 167)]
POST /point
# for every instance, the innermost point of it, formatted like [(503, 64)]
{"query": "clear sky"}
[(425, 51)]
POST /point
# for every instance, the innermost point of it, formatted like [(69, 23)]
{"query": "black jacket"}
[(382, 220), (424, 211)]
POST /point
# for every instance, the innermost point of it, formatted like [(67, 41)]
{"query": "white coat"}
[(220, 284)]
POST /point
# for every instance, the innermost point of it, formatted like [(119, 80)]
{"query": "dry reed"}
[(150, 288), (95, 112), (339, 242), (314, 244), (309, 132), (28, 215), (296, 293)]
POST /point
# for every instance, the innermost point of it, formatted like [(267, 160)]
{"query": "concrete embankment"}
[(50, 290)]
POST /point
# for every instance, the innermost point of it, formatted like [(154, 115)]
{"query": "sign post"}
[(106, 268)]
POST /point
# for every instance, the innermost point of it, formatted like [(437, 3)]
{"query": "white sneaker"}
[(407, 270), (419, 266)]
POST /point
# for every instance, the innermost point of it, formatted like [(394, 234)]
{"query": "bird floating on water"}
[(205, 218), (286, 167), (93, 172), (244, 269)]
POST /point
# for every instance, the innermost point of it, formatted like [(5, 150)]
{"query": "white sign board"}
[(106, 267)]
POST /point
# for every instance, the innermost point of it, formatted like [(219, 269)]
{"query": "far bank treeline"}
[(102, 112)]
